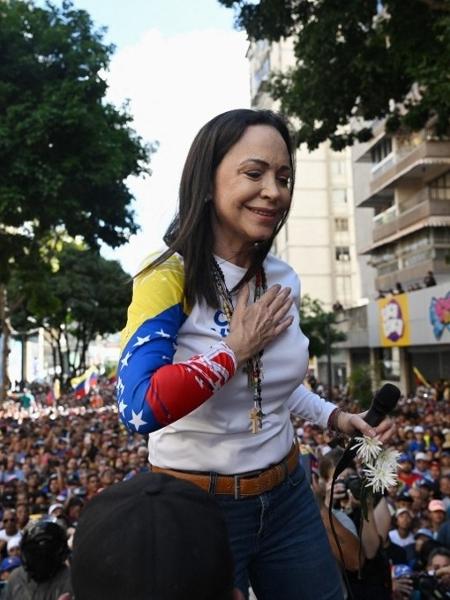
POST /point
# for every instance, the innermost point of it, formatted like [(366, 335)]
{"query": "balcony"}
[(414, 268), (389, 222), (425, 161), (408, 275)]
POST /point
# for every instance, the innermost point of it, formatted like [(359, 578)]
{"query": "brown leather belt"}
[(244, 484)]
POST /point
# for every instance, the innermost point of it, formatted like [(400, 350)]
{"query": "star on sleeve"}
[(142, 340), (122, 407), (163, 334), (120, 386), (137, 420), (125, 359)]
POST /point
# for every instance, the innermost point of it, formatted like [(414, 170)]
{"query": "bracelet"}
[(333, 419)]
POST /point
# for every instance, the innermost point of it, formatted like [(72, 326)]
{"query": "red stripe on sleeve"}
[(178, 389)]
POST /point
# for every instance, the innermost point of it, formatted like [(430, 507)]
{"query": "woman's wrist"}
[(333, 419)]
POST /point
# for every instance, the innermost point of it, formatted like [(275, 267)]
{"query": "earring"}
[(207, 199)]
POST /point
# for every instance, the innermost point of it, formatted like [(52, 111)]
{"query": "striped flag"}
[(83, 383), (420, 379)]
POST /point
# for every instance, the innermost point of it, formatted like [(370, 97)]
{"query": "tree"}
[(361, 381), (80, 296), (65, 152), (357, 61), (319, 326)]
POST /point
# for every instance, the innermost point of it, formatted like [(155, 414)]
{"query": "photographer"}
[(433, 583), (373, 579), (438, 568)]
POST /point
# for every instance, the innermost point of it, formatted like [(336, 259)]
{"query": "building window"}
[(339, 196), (381, 150), (341, 224), (440, 187), (342, 253)]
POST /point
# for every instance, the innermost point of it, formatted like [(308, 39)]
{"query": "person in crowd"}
[(444, 491), (439, 565), (7, 566), (175, 545), (22, 515), (422, 465), (429, 279), (27, 400), (93, 485), (418, 443), (367, 569), (13, 546), (9, 530), (438, 514), (420, 537), (44, 572), (403, 535), (347, 543), (207, 318), (405, 471)]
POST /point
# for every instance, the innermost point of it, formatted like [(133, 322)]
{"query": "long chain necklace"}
[(254, 366)]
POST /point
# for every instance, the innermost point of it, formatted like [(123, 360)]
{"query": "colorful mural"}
[(394, 321), (440, 315)]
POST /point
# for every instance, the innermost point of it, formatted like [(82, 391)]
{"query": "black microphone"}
[(384, 402)]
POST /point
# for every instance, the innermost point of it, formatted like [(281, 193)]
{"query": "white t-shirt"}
[(217, 436), (396, 539)]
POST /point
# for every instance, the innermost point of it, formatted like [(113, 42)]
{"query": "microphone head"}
[(386, 398)]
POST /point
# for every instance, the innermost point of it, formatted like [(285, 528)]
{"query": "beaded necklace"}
[(254, 366)]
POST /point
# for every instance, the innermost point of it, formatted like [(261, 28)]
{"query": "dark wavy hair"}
[(190, 233)]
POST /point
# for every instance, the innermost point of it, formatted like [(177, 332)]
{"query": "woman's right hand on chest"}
[(253, 326)]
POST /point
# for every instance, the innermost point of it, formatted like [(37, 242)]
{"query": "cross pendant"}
[(256, 420)]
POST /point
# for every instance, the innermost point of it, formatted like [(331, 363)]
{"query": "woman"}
[(213, 358)]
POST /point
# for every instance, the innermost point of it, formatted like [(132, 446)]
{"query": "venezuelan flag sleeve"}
[(152, 392)]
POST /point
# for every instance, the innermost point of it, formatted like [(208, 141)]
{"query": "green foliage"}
[(65, 152), (317, 325), (357, 61), (360, 385), (81, 297)]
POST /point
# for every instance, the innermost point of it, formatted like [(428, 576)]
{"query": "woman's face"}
[(251, 190)]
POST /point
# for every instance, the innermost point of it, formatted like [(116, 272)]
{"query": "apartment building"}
[(406, 324), (409, 190)]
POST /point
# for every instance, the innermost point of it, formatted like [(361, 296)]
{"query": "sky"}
[(179, 62)]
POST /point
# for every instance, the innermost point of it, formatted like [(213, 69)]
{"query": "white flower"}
[(388, 458), (367, 448), (380, 478)]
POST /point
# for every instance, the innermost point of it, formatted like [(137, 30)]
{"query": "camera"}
[(354, 485), (429, 586)]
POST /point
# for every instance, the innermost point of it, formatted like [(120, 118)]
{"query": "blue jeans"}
[(280, 545)]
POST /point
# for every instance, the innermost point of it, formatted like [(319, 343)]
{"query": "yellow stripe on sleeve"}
[(154, 291)]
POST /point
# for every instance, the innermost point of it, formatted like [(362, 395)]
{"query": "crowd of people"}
[(407, 554), (428, 281), (55, 459)]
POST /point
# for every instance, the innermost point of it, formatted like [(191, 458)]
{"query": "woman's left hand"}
[(354, 424)]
